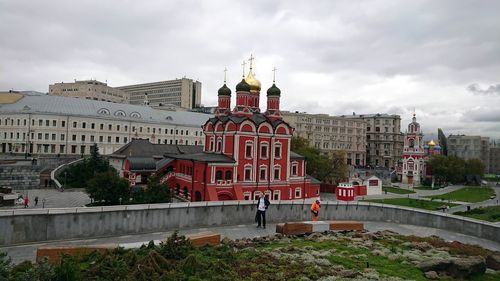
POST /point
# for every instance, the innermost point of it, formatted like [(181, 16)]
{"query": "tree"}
[(109, 188), (156, 192), (322, 167), (474, 167), (77, 175), (454, 169)]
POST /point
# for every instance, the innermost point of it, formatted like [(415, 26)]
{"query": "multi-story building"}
[(185, 93), (89, 89), (36, 123), (331, 133), (384, 139), (470, 147), (494, 158)]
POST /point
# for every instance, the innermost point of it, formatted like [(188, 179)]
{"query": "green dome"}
[(224, 91), (274, 91), (243, 86)]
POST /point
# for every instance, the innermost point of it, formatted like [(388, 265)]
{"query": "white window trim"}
[(296, 165), (299, 191), (266, 145), (277, 168), (255, 194), (249, 144), (278, 144), (277, 193), (263, 167), (247, 167), (247, 194)]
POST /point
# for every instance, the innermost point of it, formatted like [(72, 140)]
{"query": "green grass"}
[(491, 213), (414, 203), (397, 190), (467, 194), (425, 187)]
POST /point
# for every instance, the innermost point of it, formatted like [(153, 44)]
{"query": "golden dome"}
[(254, 83), (432, 143)]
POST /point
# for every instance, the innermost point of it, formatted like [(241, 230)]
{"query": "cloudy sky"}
[(337, 57)]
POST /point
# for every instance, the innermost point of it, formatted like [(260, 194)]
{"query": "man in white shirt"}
[(262, 205)]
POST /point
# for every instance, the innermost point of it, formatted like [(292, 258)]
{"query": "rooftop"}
[(33, 102)]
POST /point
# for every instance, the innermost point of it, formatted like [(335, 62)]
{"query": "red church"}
[(246, 154)]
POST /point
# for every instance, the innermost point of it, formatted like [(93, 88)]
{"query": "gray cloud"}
[(333, 57), (491, 90)]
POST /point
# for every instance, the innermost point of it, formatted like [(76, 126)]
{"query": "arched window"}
[(412, 143), (120, 113), (219, 145), (135, 115), (103, 111), (229, 175), (218, 175), (185, 191)]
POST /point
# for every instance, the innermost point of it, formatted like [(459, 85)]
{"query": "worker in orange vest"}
[(315, 209)]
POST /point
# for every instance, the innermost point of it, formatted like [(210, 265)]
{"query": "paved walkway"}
[(53, 198), (28, 252)]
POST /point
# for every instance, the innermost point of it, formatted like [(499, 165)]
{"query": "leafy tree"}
[(454, 169), (325, 168), (156, 192), (474, 167), (108, 187)]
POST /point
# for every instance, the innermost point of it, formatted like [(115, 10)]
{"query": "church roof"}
[(257, 118), (203, 157), (141, 164), (294, 155), (144, 148)]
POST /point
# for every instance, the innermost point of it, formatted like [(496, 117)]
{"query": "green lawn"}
[(414, 203), (467, 194), (397, 190), (487, 213), (425, 187)]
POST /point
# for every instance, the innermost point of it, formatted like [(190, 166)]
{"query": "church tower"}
[(255, 86), (273, 100), (242, 97), (224, 97), (413, 154)]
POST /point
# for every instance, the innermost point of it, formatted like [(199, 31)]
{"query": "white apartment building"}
[(331, 133), (36, 123), (88, 89), (184, 93)]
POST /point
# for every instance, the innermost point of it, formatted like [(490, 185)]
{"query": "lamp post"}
[(65, 177)]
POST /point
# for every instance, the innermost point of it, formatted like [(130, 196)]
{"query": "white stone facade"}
[(26, 128)]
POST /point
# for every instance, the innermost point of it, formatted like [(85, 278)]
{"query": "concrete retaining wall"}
[(21, 226)]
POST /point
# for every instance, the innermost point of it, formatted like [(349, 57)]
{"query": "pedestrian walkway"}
[(53, 198), (20, 253)]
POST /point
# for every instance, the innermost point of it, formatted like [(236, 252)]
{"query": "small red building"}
[(246, 154), (345, 192)]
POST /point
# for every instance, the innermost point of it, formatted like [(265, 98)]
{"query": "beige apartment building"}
[(331, 133), (36, 123), (470, 147), (89, 89), (384, 139), (184, 93)]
